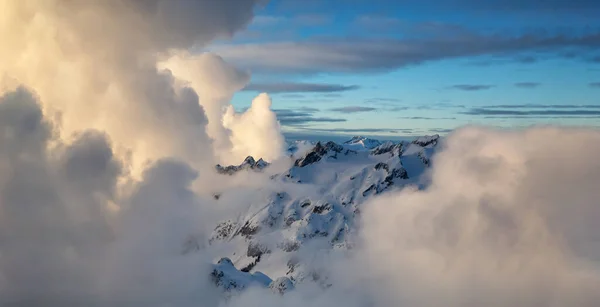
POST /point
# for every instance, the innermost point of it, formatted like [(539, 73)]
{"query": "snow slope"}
[(319, 202)]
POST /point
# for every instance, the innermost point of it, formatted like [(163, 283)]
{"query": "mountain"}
[(249, 163), (358, 142), (319, 202)]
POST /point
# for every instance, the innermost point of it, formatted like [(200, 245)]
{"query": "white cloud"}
[(509, 219), (255, 132)]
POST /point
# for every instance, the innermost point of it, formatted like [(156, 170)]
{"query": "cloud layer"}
[(506, 220), (361, 55)]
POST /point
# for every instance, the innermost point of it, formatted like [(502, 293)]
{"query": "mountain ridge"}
[(344, 176)]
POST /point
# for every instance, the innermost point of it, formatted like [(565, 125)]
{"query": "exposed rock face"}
[(388, 147), (427, 140), (226, 277), (248, 164), (330, 149)]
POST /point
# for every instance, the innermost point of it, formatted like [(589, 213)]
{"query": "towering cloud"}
[(256, 131), (93, 65), (99, 148)]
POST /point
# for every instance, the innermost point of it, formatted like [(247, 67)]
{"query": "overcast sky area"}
[(405, 67)]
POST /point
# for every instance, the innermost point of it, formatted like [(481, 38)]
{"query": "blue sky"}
[(407, 67)]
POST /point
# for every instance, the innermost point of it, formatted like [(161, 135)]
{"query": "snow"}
[(341, 178), (361, 143)]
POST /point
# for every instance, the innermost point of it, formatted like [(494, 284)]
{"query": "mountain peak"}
[(362, 141), (249, 163)]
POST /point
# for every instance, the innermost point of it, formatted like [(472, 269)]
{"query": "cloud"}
[(309, 109), (303, 116), (471, 87), (376, 55), (382, 100), (595, 84), (255, 132), (527, 84), (426, 118), (575, 112), (466, 238), (73, 235), (300, 20), (493, 225), (543, 106), (291, 87), (148, 112), (332, 95), (361, 130), (353, 109), (293, 121), (440, 130)]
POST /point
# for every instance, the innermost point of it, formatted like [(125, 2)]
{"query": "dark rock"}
[(248, 164)]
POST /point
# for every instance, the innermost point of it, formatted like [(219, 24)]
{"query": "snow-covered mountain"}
[(319, 203)]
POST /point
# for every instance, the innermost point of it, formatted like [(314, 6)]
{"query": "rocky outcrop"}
[(330, 149), (248, 164), (226, 277), (281, 285), (340, 178)]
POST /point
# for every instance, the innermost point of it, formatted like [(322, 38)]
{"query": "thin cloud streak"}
[(291, 87), (471, 87), (483, 111), (353, 109), (527, 85), (302, 116), (543, 106)]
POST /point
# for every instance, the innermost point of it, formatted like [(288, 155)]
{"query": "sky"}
[(403, 68)]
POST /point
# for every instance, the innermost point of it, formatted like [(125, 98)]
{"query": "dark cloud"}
[(595, 84), (361, 130), (372, 55), (292, 121), (308, 109), (471, 87), (302, 116), (426, 118), (576, 112), (529, 5), (543, 106), (527, 84), (291, 87), (398, 108), (529, 117), (352, 109), (440, 130)]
